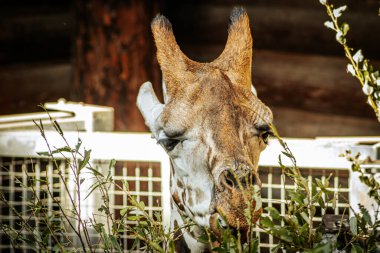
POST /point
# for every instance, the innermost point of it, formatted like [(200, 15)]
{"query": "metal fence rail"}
[(274, 187)]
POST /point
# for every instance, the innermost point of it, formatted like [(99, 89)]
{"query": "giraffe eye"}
[(265, 135), (168, 144)]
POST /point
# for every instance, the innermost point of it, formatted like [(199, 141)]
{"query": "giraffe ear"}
[(174, 63), (150, 107), (253, 90), (236, 58)]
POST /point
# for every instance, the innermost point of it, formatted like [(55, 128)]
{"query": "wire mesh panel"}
[(141, 163), (142, 171), (29, 187), (140, 180), (24, 182), (274, 194)]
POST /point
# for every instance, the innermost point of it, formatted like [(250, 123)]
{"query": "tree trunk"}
[(114, 55)]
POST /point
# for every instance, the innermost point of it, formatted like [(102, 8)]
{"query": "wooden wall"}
[(298, 68), (35, 51)]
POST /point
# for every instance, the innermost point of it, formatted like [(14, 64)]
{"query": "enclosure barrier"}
[(139, 161), (146, 167)]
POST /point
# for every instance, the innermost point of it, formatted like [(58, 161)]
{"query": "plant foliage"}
[(358, 65)]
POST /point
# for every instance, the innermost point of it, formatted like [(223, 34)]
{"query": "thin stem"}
[(347, 50)]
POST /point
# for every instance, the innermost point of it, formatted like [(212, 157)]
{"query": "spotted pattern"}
[(214, 124)]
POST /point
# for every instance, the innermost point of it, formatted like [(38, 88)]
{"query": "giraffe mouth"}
[(219, 226), (235, 221)]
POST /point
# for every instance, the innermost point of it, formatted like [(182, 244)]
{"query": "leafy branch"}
[(358, 65)]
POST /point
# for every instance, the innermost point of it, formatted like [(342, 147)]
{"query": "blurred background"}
[(100, 52)]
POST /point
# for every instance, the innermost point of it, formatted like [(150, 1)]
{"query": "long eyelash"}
[(269, 134), (169, 144)]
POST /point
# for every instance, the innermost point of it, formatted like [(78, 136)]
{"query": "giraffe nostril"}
[(234, 180), (228, 180)]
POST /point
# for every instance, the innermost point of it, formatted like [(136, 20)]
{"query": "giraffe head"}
[(211, 124)]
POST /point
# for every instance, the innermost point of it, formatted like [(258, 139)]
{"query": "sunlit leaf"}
[(354, 225), (86, 159), (273, 212), (305, 217), (358, 56), (340, 37), (266, 222), (329, 24), (339, 11), (345, 28)]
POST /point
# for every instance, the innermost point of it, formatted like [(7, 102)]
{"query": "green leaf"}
[(112, 164), (135, 243), (366, 216), (86, 159), (321, 203), (286, 238), (314, 190), (62, 150), (273, 212), (287, 154), (203, 238), (277, 248), (57, 127), (78, 145), (323, 248), (296, 197), (356, 249), (345, 28), (354, 225), (124, 211), (133, 217), (155, 246), (94, 187), (95, 172), (43, 153), (141, 205), (266, 222), (305, 217), (115, 243)]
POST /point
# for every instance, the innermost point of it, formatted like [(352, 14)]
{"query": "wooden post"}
[(114, 55)]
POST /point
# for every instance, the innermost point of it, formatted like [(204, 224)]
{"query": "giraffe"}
[(213, 127)]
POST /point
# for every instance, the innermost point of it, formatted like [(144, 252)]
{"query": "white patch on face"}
[(196, 197), (192, 243), (191, 169), (215, 173)]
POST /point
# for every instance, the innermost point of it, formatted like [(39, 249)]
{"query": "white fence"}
[(140, 162), (146, 167)]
